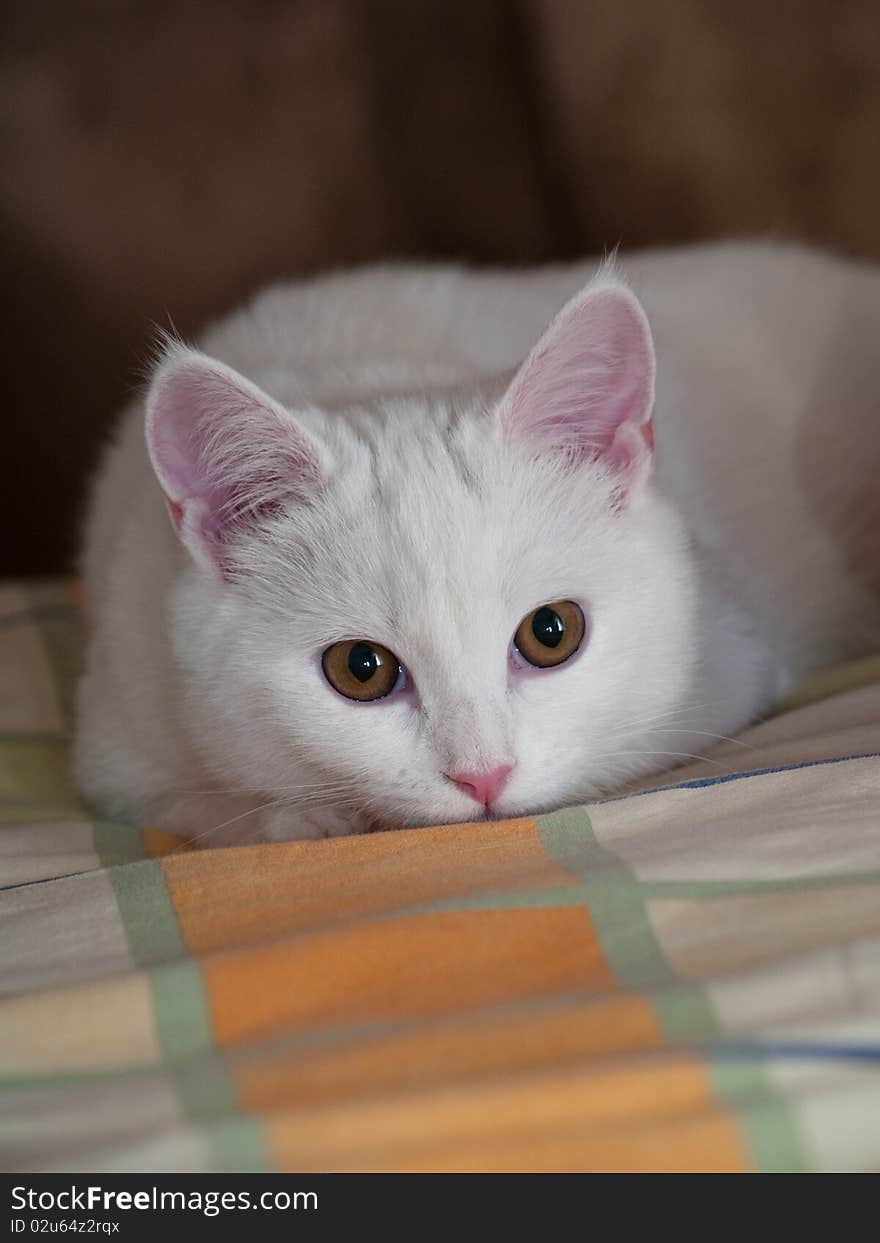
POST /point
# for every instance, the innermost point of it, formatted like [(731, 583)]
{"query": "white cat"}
[(424, 565)]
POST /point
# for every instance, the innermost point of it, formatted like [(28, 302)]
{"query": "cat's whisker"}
[(232, 791), (328, 791), (689, 755), (668, 714), (225, 824), (665, 729)]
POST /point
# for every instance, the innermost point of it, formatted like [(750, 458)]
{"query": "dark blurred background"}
[(163, 159)]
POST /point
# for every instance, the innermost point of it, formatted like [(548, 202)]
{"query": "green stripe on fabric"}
[(774, 1140), (73, 1078), (204, 1087), (615, 900), (685, 1013), (707, 890), (617, 903), (62, 638), (613, 896), (696, 891), (499, 900), (182, 1013), (203, 1084), (147, 913), (239, 1146)]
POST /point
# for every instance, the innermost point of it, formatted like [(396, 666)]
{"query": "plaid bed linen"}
[(682, 979)]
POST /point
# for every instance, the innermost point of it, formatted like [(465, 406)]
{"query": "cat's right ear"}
[(225, 453), (586, 391)]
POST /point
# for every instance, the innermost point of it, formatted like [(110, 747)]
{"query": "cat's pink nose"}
[(484, 787)]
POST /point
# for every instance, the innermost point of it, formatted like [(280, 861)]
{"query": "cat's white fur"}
[(711, 588)]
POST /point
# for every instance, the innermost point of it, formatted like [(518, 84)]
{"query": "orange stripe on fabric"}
[(234, 897), (659, 1116), (410, 967), (447, 1051)]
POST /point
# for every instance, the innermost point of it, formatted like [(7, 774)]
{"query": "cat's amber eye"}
[(550, 635), (361, 670)]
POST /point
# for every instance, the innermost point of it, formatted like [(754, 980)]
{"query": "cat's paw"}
[(286, 824), (220, 819)]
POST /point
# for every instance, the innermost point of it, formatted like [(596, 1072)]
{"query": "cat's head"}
[(433, 607)]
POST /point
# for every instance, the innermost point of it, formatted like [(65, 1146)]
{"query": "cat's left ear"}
[(586, 391)]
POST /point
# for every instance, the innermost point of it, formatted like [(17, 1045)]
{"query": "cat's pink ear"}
[(587, 389), (225, 453)]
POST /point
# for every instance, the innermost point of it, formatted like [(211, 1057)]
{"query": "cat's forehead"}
[(436, 491), (434, 530)]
